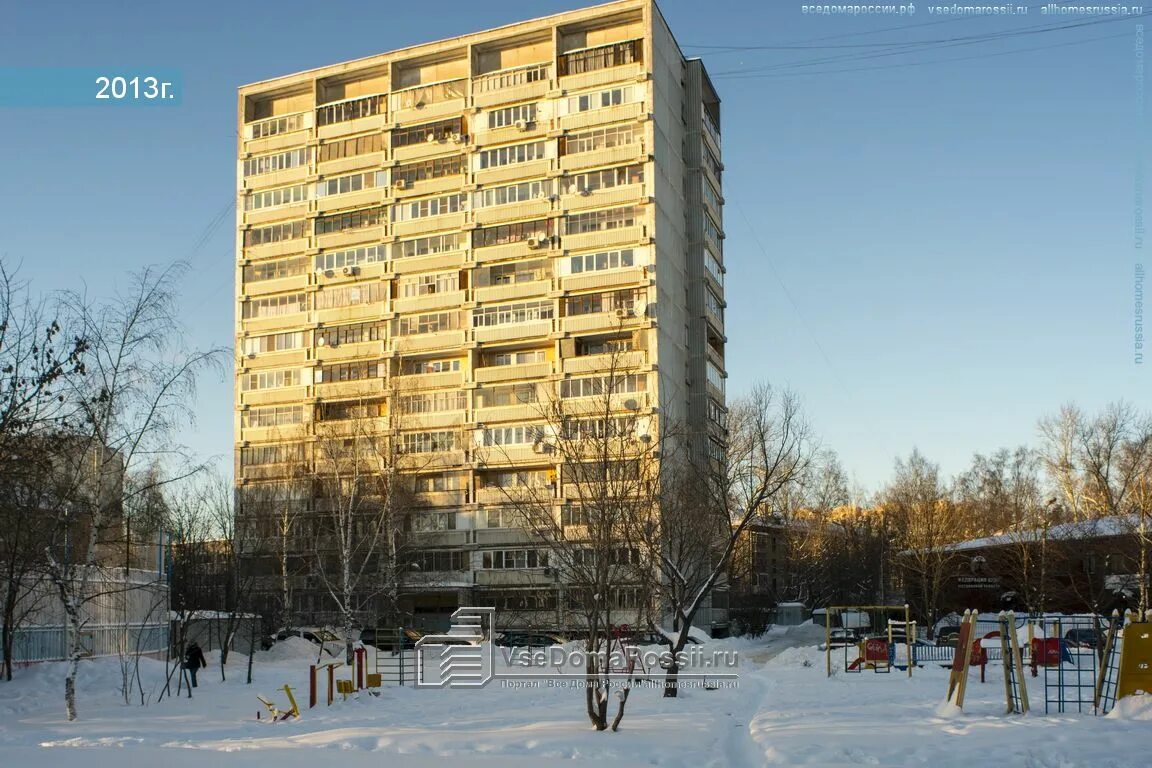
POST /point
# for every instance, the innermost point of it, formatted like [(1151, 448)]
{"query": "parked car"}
[(328, 641), (840, 637), (1082, 637), (385, 638), (948, 635), (528, 639)]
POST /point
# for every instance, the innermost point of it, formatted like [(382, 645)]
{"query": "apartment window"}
[(507, 559), (342, 112), (523, 192), (512, 394), (353, 182), (717, 414), (350, 257), (427, 285), (601, 385), (518, 232), (429, 206), (511, 435), (712, 264), (502, 518), (275, 342), (599, 138), (601, 57), (574, 515), (715, 376), (712, 163), (502, 118), (357, 145), (712, 234), (275, 416), (436, 168), (516, 272), (506, 314), (709, 194), (284, 377), (512, 154), (428, 522), (274, 270), (429, 442), (432, 402), (440, 482), (519, 357), (613, 97), (605, 178), (427, 246), (609, 301), (271, 454), (275, 306), (334, 336), (277, 125), (510, 480), (714, 305), (427, 133), (274, 198), (351, 295), (602, 260), (434, 322), (341, 222), (419, 367), (448, 560), (275, 233), (356, 370), (280, 161), (603, 346), (510, 78), (346, 410), (433, 93), (710, 124), (599, 429)]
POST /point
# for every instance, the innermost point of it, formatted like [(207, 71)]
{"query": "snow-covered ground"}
[(783, 712)]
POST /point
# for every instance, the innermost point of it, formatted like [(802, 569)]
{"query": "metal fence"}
[(32, 644)]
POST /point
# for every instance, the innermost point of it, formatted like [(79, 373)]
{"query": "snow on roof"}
[(1098, 528)]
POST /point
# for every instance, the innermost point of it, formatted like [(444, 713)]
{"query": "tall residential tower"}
[(458, 227)]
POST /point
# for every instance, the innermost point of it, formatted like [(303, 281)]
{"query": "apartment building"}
[(468, 228)]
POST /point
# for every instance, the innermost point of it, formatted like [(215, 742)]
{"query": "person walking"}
[(194, 660)]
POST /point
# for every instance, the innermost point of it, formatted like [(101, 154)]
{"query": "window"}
[(597, 262), (275, 416), (523, 479), (603, 346), (601, 57), (512, 394), (612, 97), (289, 230), (599, 138), (336, 335), (340, 222), (357, 370), (516, 272), (712, 163), (276, 342), (343, 111), (372, 254), (425, 522), (510, 78), (617, 556), (354, 182), (606, 178), (281, 161), (573, 515), (717, 414), (419, 367), (710, 124), (523, 192), (519, 232), (426, 285), (506, 314), (275, 306), (714, 305), (512, 154), (593, 303), (273, 198), (433, 93), (715, 376), (515, 558), (511, 435), (274, 270), (448, 560), (426, 246), (429, 132), (709, 194), (600, 385), (357, 145), (284, 377), (501, 118), (599, 429), (277, 125), (346, 410), (436, 168), (351, 295), (429, 442), (430, 323), (712, 234), (271, 454), (712, 264), (430, 206), (432, 402), (438, 483), (522, 357), (502, 518)]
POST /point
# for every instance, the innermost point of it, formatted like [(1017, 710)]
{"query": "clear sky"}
[(931, 255)]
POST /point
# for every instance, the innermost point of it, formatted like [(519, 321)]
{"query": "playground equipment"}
[(873, 651), (972, 651), (278, 714), (1126, 667)]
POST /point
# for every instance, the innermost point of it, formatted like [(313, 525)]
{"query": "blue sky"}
[(930, 255)]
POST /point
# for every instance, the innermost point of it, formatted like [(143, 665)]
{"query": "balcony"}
[(512, 331), (508, 85), (604, 363), (511, 372), (449, 299), (424, 462), (492, 536), (616, 155), (605, 237), (506, 134), (491, 293), (599, 198), (433, 420), (428, 341), (427, 102), (608, 278), (441, 539), (341, 352), (432, 261), (279, 285), (510, 251), (264, 434), (347, 116), (450, 183), (512, 578), (532, 209), (422, 381), (280, 132), (294, 175), (600, 321), (351, 237), (373, 310), (518, 413), (519, 495), (273, 396), (529, 170), (254, 325), (366, 162), (504, 455), (268, 215), (281, 359), (359, 199), (428, 224), (614, 114), (454, 498), (272, 250), (427, 149)]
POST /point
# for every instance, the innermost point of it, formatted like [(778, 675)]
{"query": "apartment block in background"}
[(474, 225)]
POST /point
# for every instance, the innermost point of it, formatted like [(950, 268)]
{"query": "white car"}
[(328, 641)]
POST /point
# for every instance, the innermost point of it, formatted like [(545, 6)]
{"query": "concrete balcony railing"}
[(282, 178), (607, 156), (349, 127), (530, 170), (602, 77), (599, 198), (349, 389), (281, 359), (511, 578), (440, 538), (512, 84), (603, 363), (340, 352), (512, 331), (506, 134), (605, 237), (427, 149), (428, 263), (504, 455), (532, 209), (423, 187), (279, 285), (256, 325), (367, 162), (429, 301), (351, 237), (359, 199), (517, 413), (422, 103), (599, 321), (616, 114), (422, 381), (428, 224), (491, 536), (268, 215), (455, 498), (277, 132), (433, 420), (623, 402), (510, 251), (529, 288), (255, 397), (421, 462), (265, 434), (429, 341), (351, 314), (496, 496), (273, 250), (511, 372), (608, 278)]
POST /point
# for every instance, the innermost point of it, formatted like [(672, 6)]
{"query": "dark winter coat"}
[(194, 657)]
